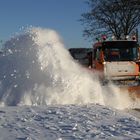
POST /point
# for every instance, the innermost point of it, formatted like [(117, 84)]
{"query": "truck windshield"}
[(120, 51)]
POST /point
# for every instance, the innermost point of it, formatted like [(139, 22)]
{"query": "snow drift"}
[(36, 69)]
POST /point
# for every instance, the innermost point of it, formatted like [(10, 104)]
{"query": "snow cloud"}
[(37, 69)]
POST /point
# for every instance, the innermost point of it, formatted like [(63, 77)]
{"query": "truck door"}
[(98, 59)]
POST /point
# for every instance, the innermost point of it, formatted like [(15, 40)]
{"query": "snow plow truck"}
[(117, 61)]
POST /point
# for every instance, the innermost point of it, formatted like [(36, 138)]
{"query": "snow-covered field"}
[(67, 122), (45, 95)]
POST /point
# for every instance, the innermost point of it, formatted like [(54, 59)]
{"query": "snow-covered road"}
[(67, 122)]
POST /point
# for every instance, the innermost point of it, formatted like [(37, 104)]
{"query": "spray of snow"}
[(36, 69)]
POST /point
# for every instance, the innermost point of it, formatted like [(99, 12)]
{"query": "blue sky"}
[(60, 15)]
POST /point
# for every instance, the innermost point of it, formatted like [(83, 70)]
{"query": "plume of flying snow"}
[(37, 69)]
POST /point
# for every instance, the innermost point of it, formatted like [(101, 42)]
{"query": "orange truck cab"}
[(117, 60)]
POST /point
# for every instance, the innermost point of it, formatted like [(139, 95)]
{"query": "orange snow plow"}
[(118, 62)]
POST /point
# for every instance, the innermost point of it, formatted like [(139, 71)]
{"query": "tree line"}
[(112, 17)]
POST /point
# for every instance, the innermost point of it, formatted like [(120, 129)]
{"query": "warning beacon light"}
[(104, 37), (134, 37)]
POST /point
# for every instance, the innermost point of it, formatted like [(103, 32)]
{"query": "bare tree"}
[(116, 17)]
